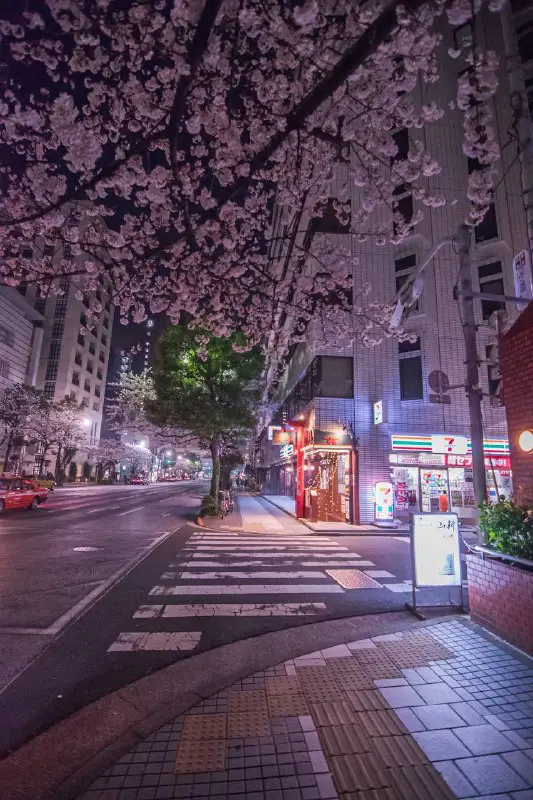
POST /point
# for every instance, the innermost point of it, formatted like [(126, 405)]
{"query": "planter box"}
[(501, 599)]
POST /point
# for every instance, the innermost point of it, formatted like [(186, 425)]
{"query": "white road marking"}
[(378, 573), (270, 564), (140, 640), (212, 576), (260, 588), (231, 610), (406, 586), (137, 508), (289, 553), (402, 538), (334, 563), (259, 538), (250, 548), (166, 514)]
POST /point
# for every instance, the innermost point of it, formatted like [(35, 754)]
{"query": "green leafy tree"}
[(205, 386)]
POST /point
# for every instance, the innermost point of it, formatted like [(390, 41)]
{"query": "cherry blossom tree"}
[(57, 427), (173, 127), (17, 404)]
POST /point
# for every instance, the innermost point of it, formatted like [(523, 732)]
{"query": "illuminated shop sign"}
[(424, 444), (317, 438), (271, 429), (282, 437), (286, 450), (384, 500), (441, 443), (378, 412), (437, 460)]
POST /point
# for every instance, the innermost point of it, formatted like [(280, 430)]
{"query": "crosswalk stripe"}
[(211, 576), (330, 562), (230, 610), (260, 588), (135, 641), (201, 557), (260, 538)]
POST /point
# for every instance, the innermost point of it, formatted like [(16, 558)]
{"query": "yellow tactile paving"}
[(247, 701), (365, 699), (289, 684), (204, 726), (287, 705)]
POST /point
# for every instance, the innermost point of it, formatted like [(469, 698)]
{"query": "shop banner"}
[(449, 444), (435, 550), (282, 437), (317, 438)]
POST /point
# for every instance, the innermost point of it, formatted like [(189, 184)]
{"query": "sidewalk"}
[(287, 504), (435, 712)]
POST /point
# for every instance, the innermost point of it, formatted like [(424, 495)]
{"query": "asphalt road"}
[(191, 590)]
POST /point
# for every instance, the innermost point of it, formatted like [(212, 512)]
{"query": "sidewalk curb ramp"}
[(62, 762)]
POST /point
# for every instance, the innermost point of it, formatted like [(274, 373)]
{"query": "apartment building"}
[(391, 423)]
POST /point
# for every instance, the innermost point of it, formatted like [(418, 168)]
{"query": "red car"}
[(17, 492), (138, 480)]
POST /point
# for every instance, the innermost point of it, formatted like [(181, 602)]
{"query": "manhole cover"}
[(86, 549)]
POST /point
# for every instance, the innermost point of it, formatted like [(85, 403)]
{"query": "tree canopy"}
[(171, 128), (204, 386)]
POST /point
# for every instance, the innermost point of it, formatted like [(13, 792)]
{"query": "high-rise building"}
[(397, 414)]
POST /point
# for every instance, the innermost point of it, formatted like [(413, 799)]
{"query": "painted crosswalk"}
[(246, 575)]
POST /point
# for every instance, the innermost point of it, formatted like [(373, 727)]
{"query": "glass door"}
[(433, 488)]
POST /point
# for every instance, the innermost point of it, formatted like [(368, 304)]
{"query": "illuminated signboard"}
[(378, 412), (442, 443), (384, 500), (424, 444), (286, 450), (271, 429), (282, 437), (435, 550)]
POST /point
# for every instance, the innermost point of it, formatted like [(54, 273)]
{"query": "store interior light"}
[(525, 441)]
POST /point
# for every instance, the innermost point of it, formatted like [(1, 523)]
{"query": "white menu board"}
[(435, 547)]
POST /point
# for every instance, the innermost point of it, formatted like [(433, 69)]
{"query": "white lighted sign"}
[(378, 412), (525, 441), (271, 429), (384, 500), (435, 543), (523, 281), (440, 443)]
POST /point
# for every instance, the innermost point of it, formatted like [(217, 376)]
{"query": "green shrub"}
[(508, 527), (208, 507)]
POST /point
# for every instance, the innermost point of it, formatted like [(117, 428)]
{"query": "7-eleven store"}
[(423, 467)]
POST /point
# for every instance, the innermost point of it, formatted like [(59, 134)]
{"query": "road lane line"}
[(212, 576), (138, 508), (133, 642), (230, 610), (260, 588)]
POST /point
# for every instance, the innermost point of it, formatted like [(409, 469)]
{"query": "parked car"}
[(48, 483), (138, 480), (18, 492)]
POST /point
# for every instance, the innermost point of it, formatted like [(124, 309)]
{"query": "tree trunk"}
[(8, 452), (59, 471), (215, 477)]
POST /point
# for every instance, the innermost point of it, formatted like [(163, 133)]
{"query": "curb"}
[(99, 734), (366, 532)]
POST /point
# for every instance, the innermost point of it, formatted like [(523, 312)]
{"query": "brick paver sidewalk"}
[(438, 712)]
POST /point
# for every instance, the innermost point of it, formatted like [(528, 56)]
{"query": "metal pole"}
[(473, 389)]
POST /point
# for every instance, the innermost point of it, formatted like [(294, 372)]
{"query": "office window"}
[(404, 268), (51, 371), (97, 391), (401, 140), (99, 374), (67, 250), (54, 350), (491, 281), (83, 320), (40, 305), (90, 367), (103, 339), (22, 288), (64, 283), (487, 229), (49, 389), (462, 36), (49, 250), (61, 307), (410, 362), (81, 340), (525, 41), (101, 357), (87, 386), (76, 378), (404, 209), (4, 369), (336, 376), (78, 359), (7, 337), (96, 406), (92, 349), (58, 328), (106, 322)]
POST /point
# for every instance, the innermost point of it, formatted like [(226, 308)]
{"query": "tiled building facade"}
[(421, 386)]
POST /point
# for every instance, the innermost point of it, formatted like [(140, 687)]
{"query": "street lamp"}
[(87, 422)]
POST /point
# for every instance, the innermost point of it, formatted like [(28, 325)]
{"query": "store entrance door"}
[(433, 484)]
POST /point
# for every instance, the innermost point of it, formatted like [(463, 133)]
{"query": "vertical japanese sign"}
[(435, 550), (523, 281)]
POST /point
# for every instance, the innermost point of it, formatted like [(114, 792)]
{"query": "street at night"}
[(90, 630)]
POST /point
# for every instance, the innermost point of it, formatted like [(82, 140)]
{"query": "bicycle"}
[(224, 504)]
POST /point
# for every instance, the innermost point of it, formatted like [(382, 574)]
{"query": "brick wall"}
[(501, 599), (517, 373)]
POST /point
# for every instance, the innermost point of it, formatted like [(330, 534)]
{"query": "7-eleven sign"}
[(456, 445)]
